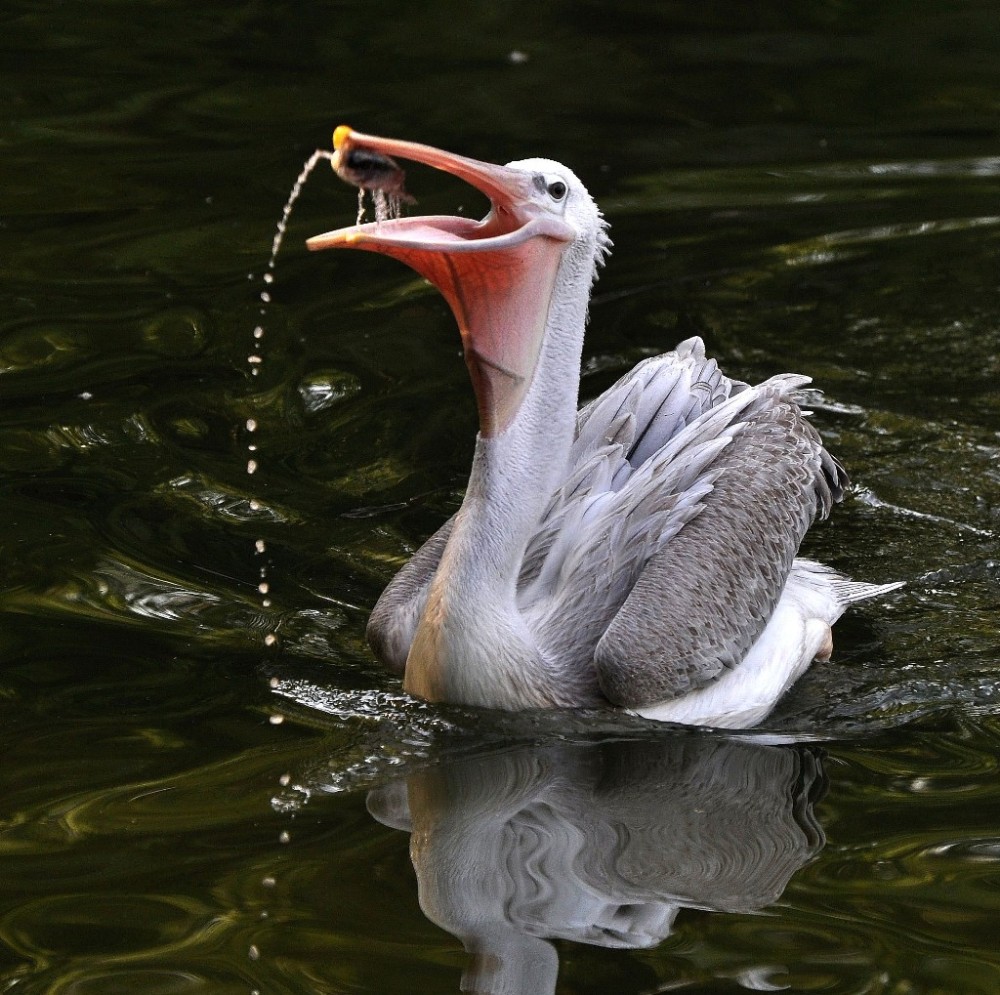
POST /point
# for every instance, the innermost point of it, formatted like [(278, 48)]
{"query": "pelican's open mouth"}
[(497, 274), (511, 221)]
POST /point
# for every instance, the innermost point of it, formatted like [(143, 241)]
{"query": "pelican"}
[(639, 553)]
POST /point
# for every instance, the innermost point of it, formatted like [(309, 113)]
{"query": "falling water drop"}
[(255, 357), (255, 360)]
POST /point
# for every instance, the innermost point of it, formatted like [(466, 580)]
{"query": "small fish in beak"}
[(371, 172)]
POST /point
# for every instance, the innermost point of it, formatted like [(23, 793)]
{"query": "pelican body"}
[(639, 552)]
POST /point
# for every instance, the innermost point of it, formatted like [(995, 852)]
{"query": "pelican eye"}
[(557, 189)]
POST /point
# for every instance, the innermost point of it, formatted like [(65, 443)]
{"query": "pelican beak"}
[(497, 274)]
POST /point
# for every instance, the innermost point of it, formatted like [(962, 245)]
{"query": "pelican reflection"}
[(599, 843)]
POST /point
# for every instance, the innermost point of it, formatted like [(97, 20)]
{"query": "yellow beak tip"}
[(341, 134)]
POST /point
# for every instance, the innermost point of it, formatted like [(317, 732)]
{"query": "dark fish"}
[(371, 171)]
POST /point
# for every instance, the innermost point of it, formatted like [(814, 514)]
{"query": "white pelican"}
[(639, 553)]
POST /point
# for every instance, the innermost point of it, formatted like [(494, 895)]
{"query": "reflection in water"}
[(600, 844)]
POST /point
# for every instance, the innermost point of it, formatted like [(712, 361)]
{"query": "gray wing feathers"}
[(703, 599), (617, 510), (394, 618), (653, 401), (662, 395)]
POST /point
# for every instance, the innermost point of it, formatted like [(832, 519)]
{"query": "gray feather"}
[(704, 598)]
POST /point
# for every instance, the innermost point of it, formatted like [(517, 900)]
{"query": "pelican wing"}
[(615, 433), (663, 556), (704, 597)]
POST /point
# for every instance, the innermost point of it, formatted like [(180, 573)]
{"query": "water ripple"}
[(832, 246)]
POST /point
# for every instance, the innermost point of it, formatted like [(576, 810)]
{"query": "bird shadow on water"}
[(529, 829)]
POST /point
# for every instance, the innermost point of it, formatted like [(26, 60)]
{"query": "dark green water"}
[(812, 187)]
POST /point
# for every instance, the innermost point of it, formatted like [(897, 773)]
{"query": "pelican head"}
[(500, 274)]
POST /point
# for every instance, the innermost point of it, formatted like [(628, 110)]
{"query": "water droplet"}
[(255, 359), (276, 720), (269, 882), (284, 836), (253, 953), (274, 683), (285, 780)]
